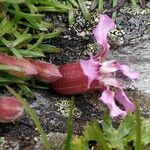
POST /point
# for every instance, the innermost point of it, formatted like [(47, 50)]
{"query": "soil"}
[(130, 44)]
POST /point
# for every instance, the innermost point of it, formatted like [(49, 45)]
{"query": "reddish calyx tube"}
[(74, 80)]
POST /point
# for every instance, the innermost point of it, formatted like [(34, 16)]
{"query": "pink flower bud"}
[(46, 71), (27, 68), (10, 109)]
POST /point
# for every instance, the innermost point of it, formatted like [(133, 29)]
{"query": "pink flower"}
[(96, 73), (114, 88), (105, 73), (108, 71)]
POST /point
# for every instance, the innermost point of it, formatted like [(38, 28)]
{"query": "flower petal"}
[(105, 25), (126, 71), (111, 82), (109, 67), (122, 98), (90, 69), (108, 99), (113, 66)]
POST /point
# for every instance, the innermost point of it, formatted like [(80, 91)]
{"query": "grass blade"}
[(115, 12), (26, 53), (84, 10), (25, 90), (12, 49), (37, 43), (12, 1), (33, 116), (74, 3), (138, 142), (100, 5), (5, 26), (9, 68), (69, 127), (134, 2), (70, 14), (21, 39), (50, 9), (55, 5), (49, 35), (49, 48)]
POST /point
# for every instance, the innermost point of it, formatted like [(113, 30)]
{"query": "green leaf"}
[(70, 14), (32, 8), (84, 10), (33, 19), (13, 1), (74, 3), (9, 79), (55, 5), (5, 26), (12, 49), (47, 25), (107, 124), (112, 134), (50, 9), (126, 126), (49, 35), (101, 5), (10, 68), (21, 39), (138, 142), (115, 12), (79, 143), (25, 90), (146, 132), (37, 43), (134, 2), (26, 53), (93, 132), (49, 48)]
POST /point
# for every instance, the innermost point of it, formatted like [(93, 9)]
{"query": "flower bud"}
[(10, 109), (46, 71), (26, 68)]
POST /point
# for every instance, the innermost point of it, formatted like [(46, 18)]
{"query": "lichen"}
[(8, 144), (136, 10), (116, 37), (64, 108)]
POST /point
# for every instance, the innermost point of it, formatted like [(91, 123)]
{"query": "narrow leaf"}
[(84, 10), (69, 127)]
